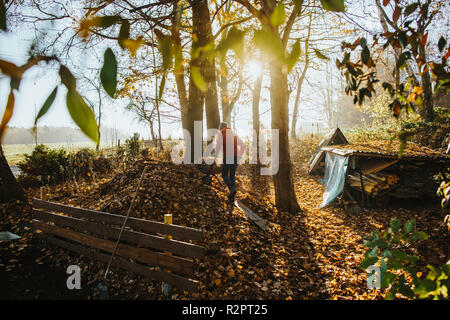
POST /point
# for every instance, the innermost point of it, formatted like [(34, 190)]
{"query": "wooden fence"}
[(93, 234)]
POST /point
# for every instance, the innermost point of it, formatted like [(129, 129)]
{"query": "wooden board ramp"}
[(260, 222), (144, 247)]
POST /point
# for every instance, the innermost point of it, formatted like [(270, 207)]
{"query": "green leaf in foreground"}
[(365, 55), (441, 44), (7, 114), (266, 41), (420, 236), (108, 74), (294, 55), (67, 78), (320, 55), (161, 87), (47, 104), (381, 244), (82, 115), (395, 224), (234, 40), (387, 278), (425, 288), (278, 15), (166, 49), (409, 225), (400, 255), (368, 262), (124, 32), (198, 79), (333, 5)]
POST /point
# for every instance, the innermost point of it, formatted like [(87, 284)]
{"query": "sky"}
[(36, 86)]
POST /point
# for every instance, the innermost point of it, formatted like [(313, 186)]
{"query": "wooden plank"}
[(260, 222), (176, 264), (373, 165), (140, 239), (180, 232), (179, 281)]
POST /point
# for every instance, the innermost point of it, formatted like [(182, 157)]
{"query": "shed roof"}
[(386, 149), (332, 138)]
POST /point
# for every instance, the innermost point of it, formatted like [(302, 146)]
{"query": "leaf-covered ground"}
[(314, 254)]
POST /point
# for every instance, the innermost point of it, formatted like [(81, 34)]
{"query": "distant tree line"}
[(19, 135)]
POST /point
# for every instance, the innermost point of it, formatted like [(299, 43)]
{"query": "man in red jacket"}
[(232, 149)]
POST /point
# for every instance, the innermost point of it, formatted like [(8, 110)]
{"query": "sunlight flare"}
[(254, 68)]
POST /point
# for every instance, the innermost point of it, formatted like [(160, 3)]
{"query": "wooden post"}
[(362, 189), (42, 193), (166, 287)]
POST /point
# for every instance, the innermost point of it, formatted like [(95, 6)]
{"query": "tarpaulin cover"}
[(334, 177)]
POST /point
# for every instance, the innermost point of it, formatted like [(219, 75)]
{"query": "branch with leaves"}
[(410, 40)]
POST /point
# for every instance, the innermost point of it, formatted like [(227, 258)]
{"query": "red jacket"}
[(224, 140)]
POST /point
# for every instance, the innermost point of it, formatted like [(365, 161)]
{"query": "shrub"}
[(397, 272), (120, 152), (46, 166), (133, 145)]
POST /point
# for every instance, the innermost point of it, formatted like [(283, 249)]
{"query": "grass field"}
[(15, 152)]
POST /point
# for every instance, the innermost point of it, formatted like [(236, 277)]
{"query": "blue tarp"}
[(334, 177)]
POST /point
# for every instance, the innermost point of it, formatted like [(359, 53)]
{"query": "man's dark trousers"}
[(229, 174)]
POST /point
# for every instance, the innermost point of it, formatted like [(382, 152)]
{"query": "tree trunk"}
[(228, 102), (159, 127), (9, 188), (191, 105), (99, 124), (255, 112), (427, 111), (285, 197), (226, 113), (211, 100), (158, 114), (297, 101), (152, 132), (202, 28), (225, 95), (300, 83), (179, 69)]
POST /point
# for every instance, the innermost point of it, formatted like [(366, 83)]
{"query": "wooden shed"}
[(377, 173)]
